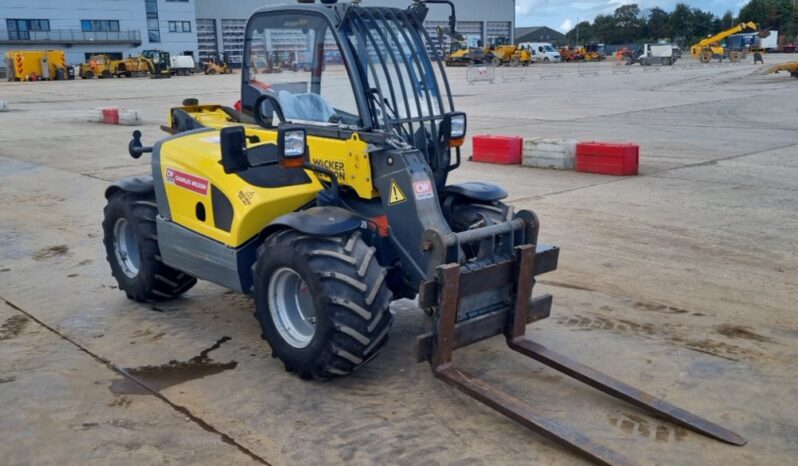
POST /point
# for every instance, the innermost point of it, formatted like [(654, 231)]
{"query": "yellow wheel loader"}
[(327, 197)]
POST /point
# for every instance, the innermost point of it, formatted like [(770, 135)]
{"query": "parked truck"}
[(182, 65), (656, 54), (35, 65)]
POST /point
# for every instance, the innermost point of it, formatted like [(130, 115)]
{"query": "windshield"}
[(549, 48), (295, 58)]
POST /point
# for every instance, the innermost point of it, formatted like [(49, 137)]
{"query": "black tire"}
[(464, 216), (153, 281), (88, 75), (349, 295), (106, 74)]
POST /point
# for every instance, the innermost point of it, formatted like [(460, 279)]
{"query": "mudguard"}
[(132, 184), (476, 190), (317, 221)]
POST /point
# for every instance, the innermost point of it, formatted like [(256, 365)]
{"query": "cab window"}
[(295, 58)]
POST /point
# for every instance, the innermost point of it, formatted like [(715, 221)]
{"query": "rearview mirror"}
[(234, 149), (266, 106)]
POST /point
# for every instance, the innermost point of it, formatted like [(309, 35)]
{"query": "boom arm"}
[(706, 43)]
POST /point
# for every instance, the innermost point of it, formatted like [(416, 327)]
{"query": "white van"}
[(182, 64), (542, 51)]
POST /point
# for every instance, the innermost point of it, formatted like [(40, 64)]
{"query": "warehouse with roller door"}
[(86, 27), (220, 24)]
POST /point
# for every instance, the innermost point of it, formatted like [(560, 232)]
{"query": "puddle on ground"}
[(50, 252), (147, 379), (13, 326)]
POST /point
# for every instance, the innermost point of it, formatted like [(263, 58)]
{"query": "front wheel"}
[(131, 246), (322, 302)]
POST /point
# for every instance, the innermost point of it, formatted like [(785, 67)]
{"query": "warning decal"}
[(397, 196), (423, 190), (187, 181)]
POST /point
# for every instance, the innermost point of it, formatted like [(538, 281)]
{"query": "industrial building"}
[(540, 34), (201, 28), (220, 24), (86, 27)]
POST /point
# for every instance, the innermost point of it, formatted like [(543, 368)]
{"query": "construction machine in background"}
[(790, 67), (104, 67), (460, 54), (708, 48), (592, 52), (35, 65), (570, 53), (328, 196), (160, 63), (500, 52), (217, 64)]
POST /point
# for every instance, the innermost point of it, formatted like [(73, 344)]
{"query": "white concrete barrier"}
[(549, 153), (4, 107), (114, 116), (129, 117)]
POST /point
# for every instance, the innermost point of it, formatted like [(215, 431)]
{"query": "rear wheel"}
[(131, 246), (88, 75), (322, 302)]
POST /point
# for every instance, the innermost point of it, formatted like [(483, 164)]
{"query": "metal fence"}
[(481, 73), (505, 74), (69, 36)]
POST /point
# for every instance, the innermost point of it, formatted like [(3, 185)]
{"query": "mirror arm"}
[(135, 148)]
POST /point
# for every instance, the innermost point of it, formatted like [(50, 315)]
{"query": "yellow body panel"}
[(24, 64), (199, 154)]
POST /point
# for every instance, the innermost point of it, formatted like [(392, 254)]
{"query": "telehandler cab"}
[(326, 198)]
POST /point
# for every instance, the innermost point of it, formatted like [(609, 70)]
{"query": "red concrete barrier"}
[(505, 150), (607, 158)]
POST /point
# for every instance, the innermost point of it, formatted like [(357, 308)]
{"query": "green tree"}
[(728, 19), (780, 15), (657, 26)]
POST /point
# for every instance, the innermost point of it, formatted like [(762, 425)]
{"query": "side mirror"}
[(292, 146), (234, 149), (265, 107)]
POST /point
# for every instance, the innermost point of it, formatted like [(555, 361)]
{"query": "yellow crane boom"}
[(710, 46)]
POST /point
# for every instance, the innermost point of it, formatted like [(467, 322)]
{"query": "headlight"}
[(292, 145), (457, 130)]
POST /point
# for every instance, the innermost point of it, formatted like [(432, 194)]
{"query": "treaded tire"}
[(350, 297), (155, 281), (466, 216)]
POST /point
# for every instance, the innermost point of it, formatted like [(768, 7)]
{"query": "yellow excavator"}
[(709, 48), (460, 54)]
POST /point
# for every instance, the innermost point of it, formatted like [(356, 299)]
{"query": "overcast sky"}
[(562, 15)]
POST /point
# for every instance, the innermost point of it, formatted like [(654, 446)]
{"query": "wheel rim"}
[(291, 307), (126, 248)]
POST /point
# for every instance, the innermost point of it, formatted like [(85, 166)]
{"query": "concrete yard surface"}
[(682, 281)]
